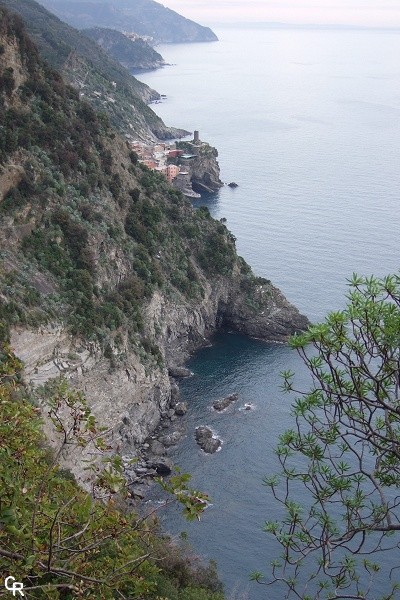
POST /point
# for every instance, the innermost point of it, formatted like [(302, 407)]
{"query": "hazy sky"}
[(379, 13)]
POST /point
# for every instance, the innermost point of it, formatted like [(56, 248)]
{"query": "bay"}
[(307, 122)]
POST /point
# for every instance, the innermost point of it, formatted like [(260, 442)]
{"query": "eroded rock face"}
[(171, 439), (273, 317), (205, 171), (206, 439), (127, 400), (181, 409), (157, 448)]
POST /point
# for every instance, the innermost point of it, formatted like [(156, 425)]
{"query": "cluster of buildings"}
[(135, 36), (155, 157), (158, 157)]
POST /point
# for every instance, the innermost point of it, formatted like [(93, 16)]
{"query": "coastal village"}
[(171, 161)]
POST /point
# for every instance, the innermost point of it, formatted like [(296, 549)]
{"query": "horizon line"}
[(284, 25)]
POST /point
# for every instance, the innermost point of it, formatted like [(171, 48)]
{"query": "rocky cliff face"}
[(202, 165), (108, 276), (204, 173), (131, 398)]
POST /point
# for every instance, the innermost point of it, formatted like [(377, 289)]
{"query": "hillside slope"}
[(104, 82), (145, 17), (107, 275), (132, 54)]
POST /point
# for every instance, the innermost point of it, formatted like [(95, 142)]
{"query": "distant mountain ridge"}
[(101, 80), (133, 54), (145, 17)]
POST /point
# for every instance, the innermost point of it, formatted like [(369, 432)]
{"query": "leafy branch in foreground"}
[(61, 541), (343, 454)]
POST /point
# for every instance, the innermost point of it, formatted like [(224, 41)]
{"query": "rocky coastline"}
[(112, 307), (140, 406)]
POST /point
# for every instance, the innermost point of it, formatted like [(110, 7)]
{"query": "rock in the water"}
[(207, 441), (233, 184), (181, 409), (179, 372), (225, 402)]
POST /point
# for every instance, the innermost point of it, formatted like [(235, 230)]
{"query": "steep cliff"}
[(200, 160), (108, 275)]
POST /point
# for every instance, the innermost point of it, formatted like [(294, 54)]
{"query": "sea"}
[(307, 123)]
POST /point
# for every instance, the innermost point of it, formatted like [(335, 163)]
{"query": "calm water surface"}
[(308, 124)]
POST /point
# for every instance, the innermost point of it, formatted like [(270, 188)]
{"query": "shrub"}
[(98, 551), (134, 157), (115, 186), (7, 82)]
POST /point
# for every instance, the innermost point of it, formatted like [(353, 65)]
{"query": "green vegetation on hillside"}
[(61, 541), (104, 82), (96, 233), (132, 54)]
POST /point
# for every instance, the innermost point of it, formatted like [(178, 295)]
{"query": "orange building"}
[(172, 172)]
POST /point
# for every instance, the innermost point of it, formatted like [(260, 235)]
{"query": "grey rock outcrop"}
[(181, 409), (206, 439), (171, 439), (179, 372), (157, 448), (274, 317), (205, 172), (225, 402), (200, 162)]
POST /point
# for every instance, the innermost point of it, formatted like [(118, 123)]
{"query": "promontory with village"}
[(110, 279)]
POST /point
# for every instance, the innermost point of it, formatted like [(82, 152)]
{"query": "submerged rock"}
[(225, 402), (206, 439)]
